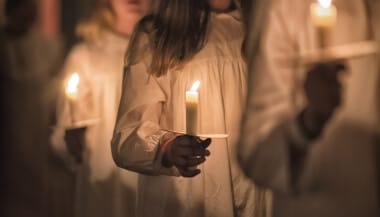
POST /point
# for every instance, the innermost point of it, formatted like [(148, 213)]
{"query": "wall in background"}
[(58, 18)]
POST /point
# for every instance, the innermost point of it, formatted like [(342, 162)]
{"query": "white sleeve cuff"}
[(161, 169)]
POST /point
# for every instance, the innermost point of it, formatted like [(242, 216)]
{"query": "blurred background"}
[(58, 18), (29, 172)]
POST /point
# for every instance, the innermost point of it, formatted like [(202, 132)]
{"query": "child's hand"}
[(324, 94), (75, 143), (186, 152)]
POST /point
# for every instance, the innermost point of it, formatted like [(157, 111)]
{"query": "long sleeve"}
[(78, 113), (269, 124), (137, 135)]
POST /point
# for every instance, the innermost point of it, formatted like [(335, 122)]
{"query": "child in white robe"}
[(171, 50), (331, 172), (85, 126)]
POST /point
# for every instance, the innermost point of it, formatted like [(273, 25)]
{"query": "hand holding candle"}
[(192, 101), (324, 15), (185, 152)]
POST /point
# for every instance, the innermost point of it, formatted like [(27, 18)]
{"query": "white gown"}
[(150, 105), (339, 176), (103, 189)]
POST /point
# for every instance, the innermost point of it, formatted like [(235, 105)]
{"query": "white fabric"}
[(150, 104), (103, 190), (339, 175)]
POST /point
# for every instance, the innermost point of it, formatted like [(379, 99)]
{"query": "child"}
[(103, 190), (180, 43)]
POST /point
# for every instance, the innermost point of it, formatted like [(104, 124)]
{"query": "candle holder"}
[(337, 53), (75, 120), (81, 124), (211, 136)]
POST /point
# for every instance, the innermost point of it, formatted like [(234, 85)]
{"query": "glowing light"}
[(195, 86), (325, 3), (72, 85)]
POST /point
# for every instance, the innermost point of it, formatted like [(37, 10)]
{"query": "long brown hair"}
[(176, 31)]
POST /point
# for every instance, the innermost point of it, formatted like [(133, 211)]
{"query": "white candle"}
[(324, 15), (192, 101), (72, 92)]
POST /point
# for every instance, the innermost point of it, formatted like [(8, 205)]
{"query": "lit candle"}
[(192, 100), (324, 16), (72, 92)]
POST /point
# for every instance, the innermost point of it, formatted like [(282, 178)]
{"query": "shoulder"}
[(287, 19), (226, 27), (81, 52), (79, 58), (290, 9), (225, 38)]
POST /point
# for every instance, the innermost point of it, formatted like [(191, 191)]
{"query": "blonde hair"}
[(176, 31), (100, 19)]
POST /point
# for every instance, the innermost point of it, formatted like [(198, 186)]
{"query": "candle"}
[(324, 16), (72, 92), (192, 100)]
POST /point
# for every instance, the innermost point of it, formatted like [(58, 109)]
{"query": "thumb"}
[(205, 143)]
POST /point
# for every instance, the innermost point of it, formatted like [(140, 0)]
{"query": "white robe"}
[(103, 189), (150, 105), (339, 176)]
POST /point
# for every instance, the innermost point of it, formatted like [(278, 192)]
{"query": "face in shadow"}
[(129, 9)]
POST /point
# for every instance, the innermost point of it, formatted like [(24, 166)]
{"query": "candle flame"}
[(72, 84), (195, 86), (325, 3)]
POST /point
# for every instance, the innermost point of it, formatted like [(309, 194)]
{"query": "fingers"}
[(205, 143), (187, 152), (183, 162), (190, 146), (338, 66), (323, 89), (200, 152), (76, 151), (189, 173), (328, 70), (75, 142), (323, 82), (188, 140), (192, 152)]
